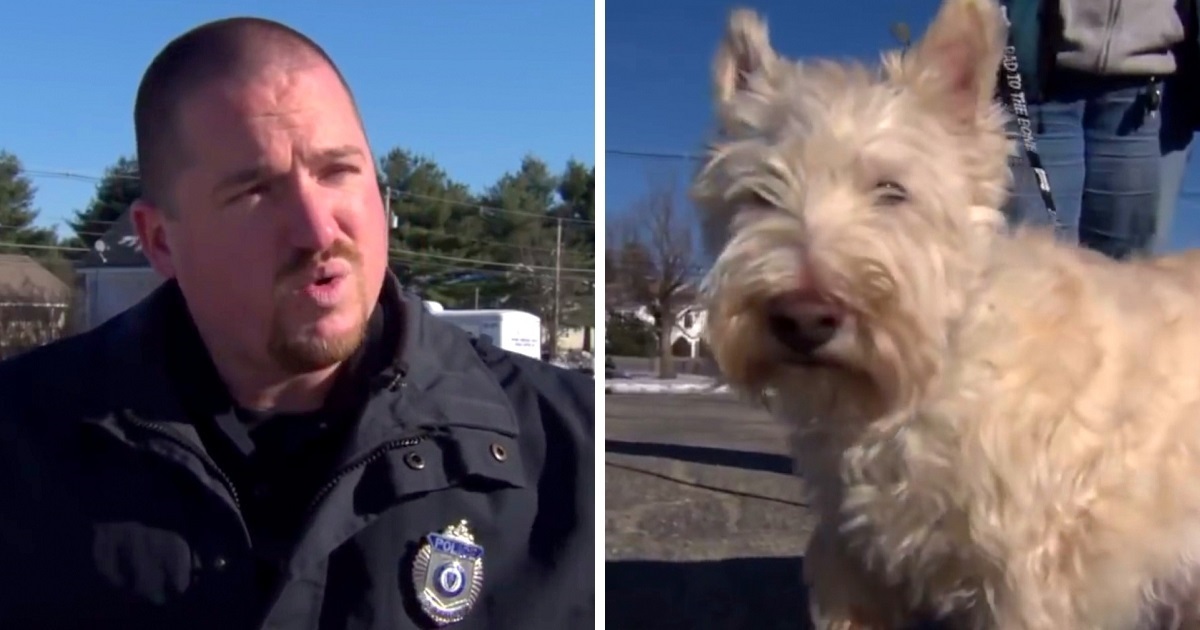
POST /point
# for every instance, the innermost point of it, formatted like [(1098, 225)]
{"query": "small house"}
[(34, 304)]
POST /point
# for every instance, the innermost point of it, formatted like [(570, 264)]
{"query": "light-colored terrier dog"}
[(997, 428)]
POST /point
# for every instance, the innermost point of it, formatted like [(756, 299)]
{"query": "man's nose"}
[(310, 218)]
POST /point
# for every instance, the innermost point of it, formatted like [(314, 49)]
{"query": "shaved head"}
[(234, 49)]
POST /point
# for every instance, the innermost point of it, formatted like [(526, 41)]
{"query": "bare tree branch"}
[(654, 258)]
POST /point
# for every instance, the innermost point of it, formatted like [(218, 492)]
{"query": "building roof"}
[(119, 247), (23, 279)]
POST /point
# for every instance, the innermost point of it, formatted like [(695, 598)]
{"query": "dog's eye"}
[(758, 200), (891, 193)]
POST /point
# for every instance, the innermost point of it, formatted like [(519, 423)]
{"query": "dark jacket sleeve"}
[(43, 542)]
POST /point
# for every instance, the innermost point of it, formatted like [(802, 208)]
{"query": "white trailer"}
[(515, 331)]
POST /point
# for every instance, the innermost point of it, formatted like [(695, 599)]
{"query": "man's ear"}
[(149, 223)]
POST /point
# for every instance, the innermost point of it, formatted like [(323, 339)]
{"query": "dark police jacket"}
[(113, 514)]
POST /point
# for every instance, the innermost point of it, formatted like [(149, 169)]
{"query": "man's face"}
[(279, 238)]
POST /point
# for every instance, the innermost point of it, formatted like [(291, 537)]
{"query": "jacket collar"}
[(419, 350)]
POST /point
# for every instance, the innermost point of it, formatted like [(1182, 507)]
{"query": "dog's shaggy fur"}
[(1003, 431)]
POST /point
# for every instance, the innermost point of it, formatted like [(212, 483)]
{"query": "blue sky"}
[(476, 84), (658, 87)]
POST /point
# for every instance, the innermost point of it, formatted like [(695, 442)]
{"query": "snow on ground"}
[(683, 384)]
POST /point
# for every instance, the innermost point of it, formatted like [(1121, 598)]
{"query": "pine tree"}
[(18, 234), (115, 193)]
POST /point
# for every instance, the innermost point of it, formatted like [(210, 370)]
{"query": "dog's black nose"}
[(804, 323)]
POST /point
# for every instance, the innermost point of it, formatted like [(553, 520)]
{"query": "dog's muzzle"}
[(804, 321)]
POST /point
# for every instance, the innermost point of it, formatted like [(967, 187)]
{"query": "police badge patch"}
[(448, 574)]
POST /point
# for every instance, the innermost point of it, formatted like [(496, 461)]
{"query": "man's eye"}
[(253, 191), (338, 170)]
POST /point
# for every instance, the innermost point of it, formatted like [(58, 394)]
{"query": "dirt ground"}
[(705, 529)]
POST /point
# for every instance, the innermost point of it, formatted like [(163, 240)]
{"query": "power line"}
[(389, 194), (63, 174), (399, 258), (502, 264), (558, 246), (656, 155), (490, 243), (412, 252), (423, 233), (62, 248), (482, 208), (419, 253), (392, 254), (77, 232)]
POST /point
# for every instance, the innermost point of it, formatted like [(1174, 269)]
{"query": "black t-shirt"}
[(278, 462)]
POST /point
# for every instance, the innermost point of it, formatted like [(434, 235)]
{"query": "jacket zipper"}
[(361, 462), (1114, 10), (204, 457), (395, 383), (372, 456)]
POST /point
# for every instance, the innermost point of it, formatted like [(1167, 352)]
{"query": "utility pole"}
[(387, 200), (557, 281)]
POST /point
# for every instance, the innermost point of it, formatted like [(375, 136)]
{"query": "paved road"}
[(705, 527)]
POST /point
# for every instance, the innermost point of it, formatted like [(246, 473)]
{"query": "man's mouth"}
[(326, 282), (329, 272)]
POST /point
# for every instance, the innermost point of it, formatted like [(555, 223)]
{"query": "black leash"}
[(1014, 92)]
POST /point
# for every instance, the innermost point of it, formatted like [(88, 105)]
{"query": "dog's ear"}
[(745, 50), (958, 59)]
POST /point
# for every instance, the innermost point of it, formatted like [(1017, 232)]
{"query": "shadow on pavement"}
[(749, 593), (758, 593), (766, 462)]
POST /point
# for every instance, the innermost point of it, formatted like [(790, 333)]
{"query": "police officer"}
[(280, 436)]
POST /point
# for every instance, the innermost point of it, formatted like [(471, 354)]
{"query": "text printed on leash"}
[(1017, 102), (1019, 106)]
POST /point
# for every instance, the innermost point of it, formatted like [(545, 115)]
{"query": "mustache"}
[(303, 261)]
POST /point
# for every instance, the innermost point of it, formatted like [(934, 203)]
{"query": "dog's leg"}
[(843, 595)]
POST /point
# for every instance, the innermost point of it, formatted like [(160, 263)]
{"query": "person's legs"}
[(1175, 145), (1173, 166), (1060, 144), (1121, 185)]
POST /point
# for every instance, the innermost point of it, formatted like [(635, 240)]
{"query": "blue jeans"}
[(1099, 144), (1175, 140)]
